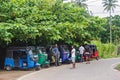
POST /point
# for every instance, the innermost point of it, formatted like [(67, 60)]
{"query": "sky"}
[(96, 7)]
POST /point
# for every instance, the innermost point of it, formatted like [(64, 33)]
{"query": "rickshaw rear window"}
[(9, 54)]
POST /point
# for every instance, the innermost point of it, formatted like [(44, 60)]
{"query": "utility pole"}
[(110, 24)]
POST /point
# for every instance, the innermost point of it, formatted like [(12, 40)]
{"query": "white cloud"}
[(97, 8)]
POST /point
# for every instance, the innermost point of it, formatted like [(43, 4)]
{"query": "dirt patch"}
[(12, 75)]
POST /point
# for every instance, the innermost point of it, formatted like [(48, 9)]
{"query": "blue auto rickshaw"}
[(64, 53), (20, 57)]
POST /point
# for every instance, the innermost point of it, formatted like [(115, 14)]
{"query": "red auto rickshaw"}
[(93, 51)]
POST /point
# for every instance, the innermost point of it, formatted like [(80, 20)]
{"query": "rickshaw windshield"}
[(41, 50), (65, 49), (34, 52), (31, 53)]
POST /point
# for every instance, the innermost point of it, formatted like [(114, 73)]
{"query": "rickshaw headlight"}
[(35, 58), (24, 64)]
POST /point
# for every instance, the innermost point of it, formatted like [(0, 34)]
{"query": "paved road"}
[(97, 70)]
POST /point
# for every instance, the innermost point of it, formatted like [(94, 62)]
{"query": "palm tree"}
[(109, 6), (81, 3)]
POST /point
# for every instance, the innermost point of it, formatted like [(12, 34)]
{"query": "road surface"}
[(96, 70)]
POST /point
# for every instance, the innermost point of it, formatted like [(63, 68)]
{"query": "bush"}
[(105, 50), (118, 50)]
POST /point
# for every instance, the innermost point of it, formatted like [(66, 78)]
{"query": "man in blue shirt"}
[(56, 52)]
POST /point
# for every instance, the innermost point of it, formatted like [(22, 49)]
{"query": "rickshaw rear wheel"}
[(37, 68), (8, 68)]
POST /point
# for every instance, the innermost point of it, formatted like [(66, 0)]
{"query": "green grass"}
[(118, 67)]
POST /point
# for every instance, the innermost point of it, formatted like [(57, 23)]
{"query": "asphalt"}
[(97, 70)]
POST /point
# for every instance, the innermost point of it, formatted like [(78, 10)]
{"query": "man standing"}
[(81, 50), (73, 56), (57, 54)]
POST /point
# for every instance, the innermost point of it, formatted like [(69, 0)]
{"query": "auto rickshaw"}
[(93, 51), (51, 56), (20, 57), (64, 53), (77, 56), (42, 57)]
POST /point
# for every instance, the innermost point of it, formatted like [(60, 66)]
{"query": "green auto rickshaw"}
[(42, 57)]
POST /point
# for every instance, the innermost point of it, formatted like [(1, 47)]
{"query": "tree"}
[(109, 6), (44, 22), (96, 26), (116, 28), (104, 34)]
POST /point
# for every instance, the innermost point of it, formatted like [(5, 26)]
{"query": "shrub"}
[(105, 50)]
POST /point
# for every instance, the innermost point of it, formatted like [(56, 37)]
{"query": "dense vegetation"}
[(45, 22)]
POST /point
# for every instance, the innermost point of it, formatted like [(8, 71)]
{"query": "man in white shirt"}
[(81, 50), (73, 56)]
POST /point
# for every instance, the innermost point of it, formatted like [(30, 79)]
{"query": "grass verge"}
[(118, 67)]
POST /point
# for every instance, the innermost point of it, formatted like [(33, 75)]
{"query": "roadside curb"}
[(114, 65)]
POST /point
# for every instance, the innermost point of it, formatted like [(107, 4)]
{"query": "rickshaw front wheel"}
[(8, 68), (37, 68), (48, 65), (97, 58)]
